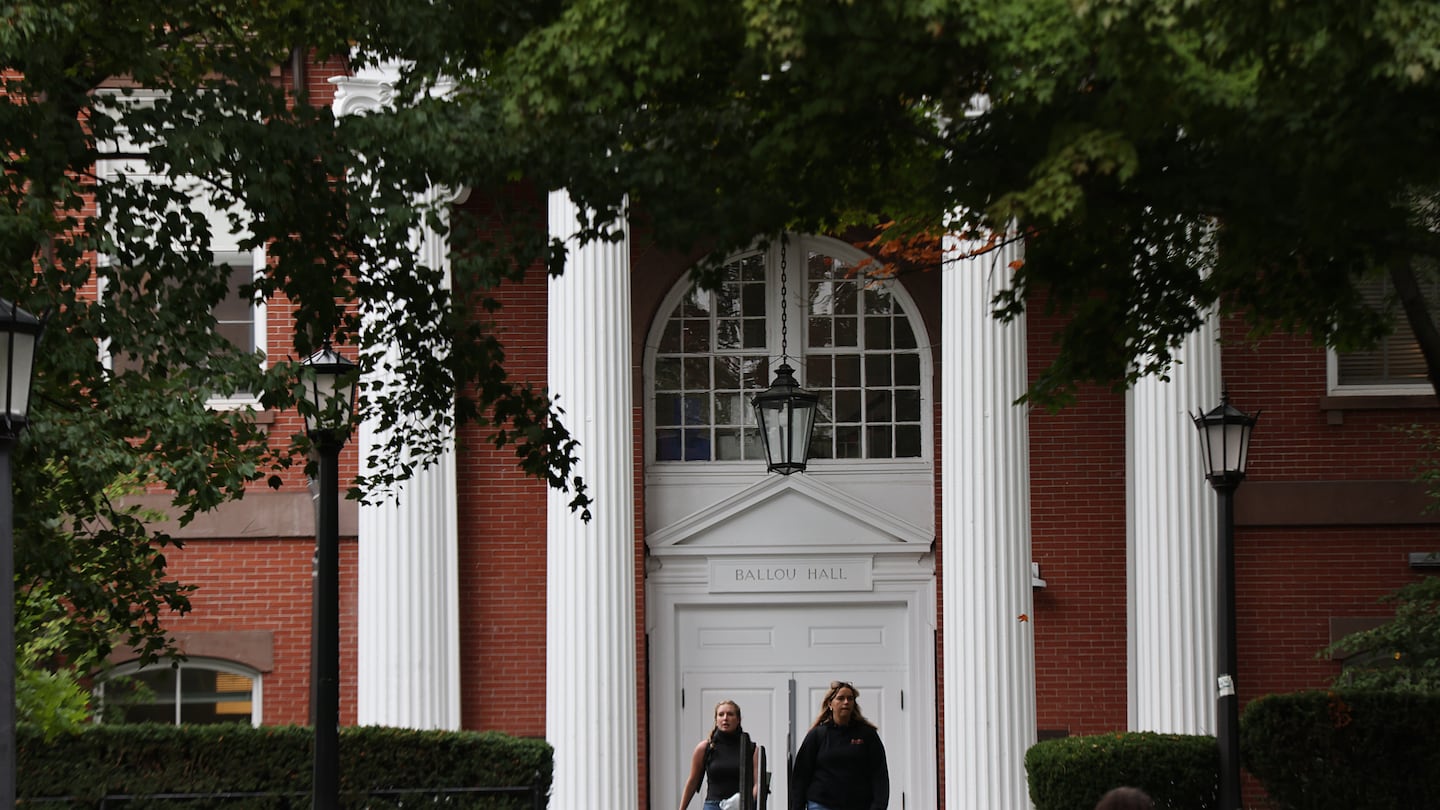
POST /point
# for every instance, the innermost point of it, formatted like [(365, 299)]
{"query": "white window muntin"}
[(801, 250)]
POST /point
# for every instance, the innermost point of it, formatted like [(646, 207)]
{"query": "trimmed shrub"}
[(148, 759), (1350, 750), (1179, 771)]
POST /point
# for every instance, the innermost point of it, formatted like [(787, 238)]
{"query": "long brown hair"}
[(855, 717)]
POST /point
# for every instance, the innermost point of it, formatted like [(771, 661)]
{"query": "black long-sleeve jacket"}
[(841, 767)]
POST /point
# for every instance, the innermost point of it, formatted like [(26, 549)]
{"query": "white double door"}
[(777, 708)]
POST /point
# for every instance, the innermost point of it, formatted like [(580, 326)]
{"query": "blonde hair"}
[(825, 714)]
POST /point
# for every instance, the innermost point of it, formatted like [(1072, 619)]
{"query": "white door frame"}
[(904, 575)]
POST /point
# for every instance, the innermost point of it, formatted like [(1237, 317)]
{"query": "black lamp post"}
[(19, 335), (1224, 447), (785, 411), (327, 388)]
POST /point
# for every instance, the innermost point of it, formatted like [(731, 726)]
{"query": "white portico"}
[(767, 596)]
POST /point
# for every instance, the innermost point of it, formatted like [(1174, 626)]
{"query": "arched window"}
[(197, 690), (852, 340)]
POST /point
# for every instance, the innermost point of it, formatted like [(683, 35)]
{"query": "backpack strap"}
[(747, 749)]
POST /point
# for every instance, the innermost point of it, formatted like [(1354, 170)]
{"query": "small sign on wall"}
[(791, 574)]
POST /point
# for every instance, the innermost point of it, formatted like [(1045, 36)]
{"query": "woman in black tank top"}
[(716, 760)]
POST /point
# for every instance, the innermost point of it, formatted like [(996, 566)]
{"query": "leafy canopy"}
[(1159, 158)]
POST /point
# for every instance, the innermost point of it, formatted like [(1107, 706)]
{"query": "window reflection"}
[(194, 693)]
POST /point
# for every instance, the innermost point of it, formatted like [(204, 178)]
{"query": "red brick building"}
[(987, 575)]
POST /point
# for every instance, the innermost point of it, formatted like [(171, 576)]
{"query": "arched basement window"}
[(191, 691), (854, 341)]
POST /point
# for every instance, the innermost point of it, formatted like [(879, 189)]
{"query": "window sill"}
[(1336, 405)]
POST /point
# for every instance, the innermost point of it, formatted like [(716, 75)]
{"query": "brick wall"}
[(1292, 580), (503, 549), (266, 585), (1078, 525)]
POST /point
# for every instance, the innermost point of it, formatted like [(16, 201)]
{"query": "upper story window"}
[(1394, 365), (851, 340), (192, 691), (239, 317)]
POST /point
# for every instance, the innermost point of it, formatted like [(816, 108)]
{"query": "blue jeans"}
[(709, 805), (809, 805)]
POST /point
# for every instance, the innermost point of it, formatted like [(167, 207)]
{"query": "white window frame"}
[(210, 664)]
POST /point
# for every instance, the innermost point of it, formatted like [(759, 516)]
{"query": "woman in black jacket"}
[(841, 763)]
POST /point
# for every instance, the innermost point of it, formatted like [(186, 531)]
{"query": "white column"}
[(1172, 536), (989, 648), (591, 707), (408, 651), (408, 634)]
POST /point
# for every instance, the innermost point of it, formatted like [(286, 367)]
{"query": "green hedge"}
[(146, 759), (1179, 771), (1356, 750)]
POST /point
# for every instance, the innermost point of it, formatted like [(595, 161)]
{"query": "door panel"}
[(772, 720), (776, 662)]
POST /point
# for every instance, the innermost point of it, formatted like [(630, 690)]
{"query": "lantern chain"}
[(784, 306)]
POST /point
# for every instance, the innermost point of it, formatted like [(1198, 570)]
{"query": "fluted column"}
[(989, 655), (1172, 531), (408, 633), (408, 645), (591, 707)]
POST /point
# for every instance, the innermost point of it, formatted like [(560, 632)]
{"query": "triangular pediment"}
[(780, 513)]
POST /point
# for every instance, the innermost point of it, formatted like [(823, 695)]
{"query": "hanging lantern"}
[(785, 411)]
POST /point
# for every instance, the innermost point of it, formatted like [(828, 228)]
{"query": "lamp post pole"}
[(327, 392), (325, 671), (19, 336), (1225, 448), (1227, 709), (7, 626)]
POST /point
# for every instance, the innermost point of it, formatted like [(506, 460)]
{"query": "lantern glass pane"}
[(19, 359), (1234, 447), (1214, 438), (801, 421)]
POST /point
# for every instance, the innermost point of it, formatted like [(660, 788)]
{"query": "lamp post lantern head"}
[(786, 413), (327, 388), (19, 338), (1224, 442)]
